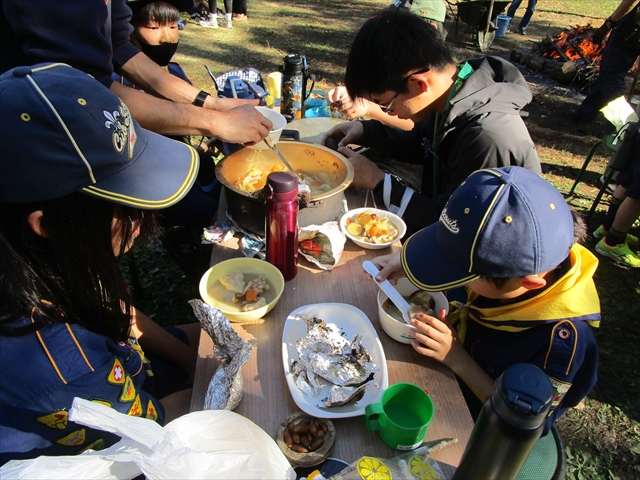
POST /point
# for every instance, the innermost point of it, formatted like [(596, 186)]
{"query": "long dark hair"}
[(72, 275)]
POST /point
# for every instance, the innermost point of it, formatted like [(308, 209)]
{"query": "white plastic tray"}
[(351, 321)]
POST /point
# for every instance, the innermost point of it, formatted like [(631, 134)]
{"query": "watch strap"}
[(200, 98)]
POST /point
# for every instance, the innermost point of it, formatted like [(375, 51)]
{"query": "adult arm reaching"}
[(242, 124)]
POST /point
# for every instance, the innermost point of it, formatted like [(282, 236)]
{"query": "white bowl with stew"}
[(397, 329), (352, 216)]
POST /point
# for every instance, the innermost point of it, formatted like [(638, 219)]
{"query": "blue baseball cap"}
[(500, 222), (61, 131)]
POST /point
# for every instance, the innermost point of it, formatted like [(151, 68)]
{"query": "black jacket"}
[(482, 129)]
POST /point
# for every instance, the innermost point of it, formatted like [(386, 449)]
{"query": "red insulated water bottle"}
[(281, 229)]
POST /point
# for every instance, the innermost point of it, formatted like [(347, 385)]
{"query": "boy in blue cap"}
[(508, 236)]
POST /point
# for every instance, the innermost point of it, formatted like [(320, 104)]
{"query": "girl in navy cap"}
[(68, 210)]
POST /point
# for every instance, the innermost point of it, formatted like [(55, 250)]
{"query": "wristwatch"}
[(611, 23), (200, 98)]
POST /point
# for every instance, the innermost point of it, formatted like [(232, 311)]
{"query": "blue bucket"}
[(503, 25)]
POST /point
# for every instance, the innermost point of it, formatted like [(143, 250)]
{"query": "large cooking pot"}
[(248, 211)]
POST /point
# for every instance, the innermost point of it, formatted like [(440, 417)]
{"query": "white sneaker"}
[(211, 22), (227, 19)]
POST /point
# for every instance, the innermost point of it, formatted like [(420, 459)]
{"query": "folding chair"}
[(620, 161), (546, 460)]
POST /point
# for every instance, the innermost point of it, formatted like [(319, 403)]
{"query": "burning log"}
[(562, 71), (573, 44), (571, 56)]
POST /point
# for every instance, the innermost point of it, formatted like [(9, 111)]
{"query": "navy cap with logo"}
[(503, 222), (61, 131)]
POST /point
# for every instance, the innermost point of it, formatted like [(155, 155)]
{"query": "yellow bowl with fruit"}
[(372, 228)]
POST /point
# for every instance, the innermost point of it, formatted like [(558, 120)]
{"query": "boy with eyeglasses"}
[(466, 116)]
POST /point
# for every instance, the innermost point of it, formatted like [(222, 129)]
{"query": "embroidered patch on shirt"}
[(106, 403), (116, 375), (128, 390), (560, 389), (136, 408), (55, 420), (73, 439), (152, 412)]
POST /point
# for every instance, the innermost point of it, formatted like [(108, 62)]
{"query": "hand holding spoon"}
[(393, 294)]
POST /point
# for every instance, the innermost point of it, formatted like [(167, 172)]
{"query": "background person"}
[(507, 235), (67, 325), (240, 11), (466, 116), (524, 22), (212, 18), (434, 11), (619, 55), (624, 209), (93, 36)]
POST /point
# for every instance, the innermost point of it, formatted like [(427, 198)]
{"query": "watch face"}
[(328, 468)]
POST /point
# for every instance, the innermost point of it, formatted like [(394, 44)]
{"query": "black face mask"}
[(161, 54)]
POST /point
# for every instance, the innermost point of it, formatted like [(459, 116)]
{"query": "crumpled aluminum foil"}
[(339, 396), (225, 389), (324, 352)]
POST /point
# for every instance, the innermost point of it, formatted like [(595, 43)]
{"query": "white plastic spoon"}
[(393, 294)]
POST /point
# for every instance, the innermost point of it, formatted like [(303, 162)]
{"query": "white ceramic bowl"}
[(399, 330), (393, 218), (214, 294), (279, 122)]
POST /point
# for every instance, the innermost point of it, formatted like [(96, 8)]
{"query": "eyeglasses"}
[(386, 108)]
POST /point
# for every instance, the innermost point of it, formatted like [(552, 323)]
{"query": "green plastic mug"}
[(402, 416)]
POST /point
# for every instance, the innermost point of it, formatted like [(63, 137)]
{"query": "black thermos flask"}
[(509, 425)]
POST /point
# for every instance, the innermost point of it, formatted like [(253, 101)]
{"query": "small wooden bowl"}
[(306, 459)]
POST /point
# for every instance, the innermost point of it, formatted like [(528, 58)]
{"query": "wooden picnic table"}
[(266, 399)]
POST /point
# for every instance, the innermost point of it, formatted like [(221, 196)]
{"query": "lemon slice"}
[(355, 229), (371, 468)]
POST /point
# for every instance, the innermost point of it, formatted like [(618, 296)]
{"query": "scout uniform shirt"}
[(44, 370)]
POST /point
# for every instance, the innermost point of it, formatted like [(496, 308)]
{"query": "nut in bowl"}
[(245, 289), (390, 317), (372, 228), (305, 441)]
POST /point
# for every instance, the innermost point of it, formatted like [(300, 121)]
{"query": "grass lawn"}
[(602, 436)]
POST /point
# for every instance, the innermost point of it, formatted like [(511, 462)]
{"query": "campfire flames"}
[(575, 45)]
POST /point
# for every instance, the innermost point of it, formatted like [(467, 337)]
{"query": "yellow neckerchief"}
[(573, 296), (133, 343), (465, 71)]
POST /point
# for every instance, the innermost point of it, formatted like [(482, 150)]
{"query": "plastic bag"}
[(414, 464), (210, 444), (322, 244)]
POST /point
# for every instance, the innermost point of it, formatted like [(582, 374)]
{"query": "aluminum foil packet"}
[(225, 388), (217, 233), (325, 353), (322, 244)]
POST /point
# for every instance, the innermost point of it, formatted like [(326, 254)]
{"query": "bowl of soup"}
[(391, 318), (245, 289)]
